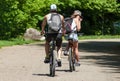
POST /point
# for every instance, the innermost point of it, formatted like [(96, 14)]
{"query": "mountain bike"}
[(53, 60)]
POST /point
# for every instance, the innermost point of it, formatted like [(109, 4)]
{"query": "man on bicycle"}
[(50, 33)]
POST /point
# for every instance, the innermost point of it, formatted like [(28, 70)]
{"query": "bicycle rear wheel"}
[(73, 61), (52, 64), (70, 60)]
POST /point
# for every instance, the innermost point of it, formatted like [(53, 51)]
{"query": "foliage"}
[(18, 15)]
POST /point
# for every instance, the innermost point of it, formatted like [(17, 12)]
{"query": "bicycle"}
[(71, 55), (52, 56)]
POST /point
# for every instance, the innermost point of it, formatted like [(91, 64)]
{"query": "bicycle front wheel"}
[(52, 64)]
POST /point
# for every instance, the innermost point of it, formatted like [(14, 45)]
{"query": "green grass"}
[(14, 41), (20, 40), (100, 37)]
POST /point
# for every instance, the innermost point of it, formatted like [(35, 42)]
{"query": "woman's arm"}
[(78, 22)]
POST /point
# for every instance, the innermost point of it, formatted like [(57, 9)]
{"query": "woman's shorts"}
[(72, 36)]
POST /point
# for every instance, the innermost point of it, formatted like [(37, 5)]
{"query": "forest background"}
[(100, 17)]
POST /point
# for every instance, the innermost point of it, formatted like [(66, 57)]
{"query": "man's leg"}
[(47, 46), (66, 52), (59, 45), (47, 49), (59, 50)]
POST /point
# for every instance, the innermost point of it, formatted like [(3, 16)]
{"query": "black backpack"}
[(55, 22), (67, 24)]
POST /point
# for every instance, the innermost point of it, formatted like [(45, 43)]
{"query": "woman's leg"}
[(75, 49)]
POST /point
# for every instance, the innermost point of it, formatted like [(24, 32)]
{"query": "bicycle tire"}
[(52, 64), (70, 60), (73, 61)]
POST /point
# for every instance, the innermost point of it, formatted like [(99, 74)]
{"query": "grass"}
[(100, 37), (14, 41), (20, 40)]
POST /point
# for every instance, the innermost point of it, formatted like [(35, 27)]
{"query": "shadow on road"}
[(107, 54), (103, 47), (61, 70), (41, 74)]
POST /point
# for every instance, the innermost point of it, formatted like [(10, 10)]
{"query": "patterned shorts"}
[(72, 36)]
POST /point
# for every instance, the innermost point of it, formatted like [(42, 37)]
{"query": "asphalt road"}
[(100, 61)]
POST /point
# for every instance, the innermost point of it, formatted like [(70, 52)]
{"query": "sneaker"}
[(66, 53), (47, 60), (77, 64), (59, 63)]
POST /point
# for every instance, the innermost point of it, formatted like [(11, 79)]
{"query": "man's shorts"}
[(56, 36)]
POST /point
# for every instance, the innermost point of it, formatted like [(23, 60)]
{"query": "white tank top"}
[(74, 26)]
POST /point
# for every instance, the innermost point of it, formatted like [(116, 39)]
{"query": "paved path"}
[(100, 61)]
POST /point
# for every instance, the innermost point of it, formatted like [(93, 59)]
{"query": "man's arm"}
[(63, 28), (43, 25)]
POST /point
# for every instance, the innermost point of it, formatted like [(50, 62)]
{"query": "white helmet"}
[(53, 7)]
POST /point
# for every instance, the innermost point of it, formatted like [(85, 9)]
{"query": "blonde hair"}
[(75, 13)]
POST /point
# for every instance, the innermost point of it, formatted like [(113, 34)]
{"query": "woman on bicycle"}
[(76, 26)]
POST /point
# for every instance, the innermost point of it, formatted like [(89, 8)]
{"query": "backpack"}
[(55, 22), (67, 24)]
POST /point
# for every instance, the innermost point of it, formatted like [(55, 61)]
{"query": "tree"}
[(99, 15), (18, 15)]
